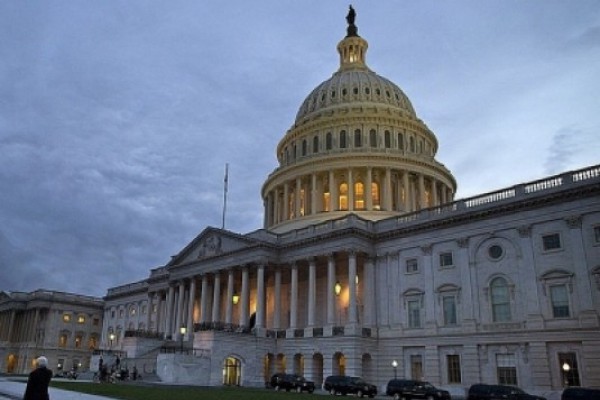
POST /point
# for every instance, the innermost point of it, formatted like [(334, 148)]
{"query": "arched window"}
[(342, 139), (295, 153), (315, 144), (388, 139), (500, 300), (375, 196), (372, 138), (400, 141), (357, 138), (304, 148), (343, 199), (359, 196), (412, 144), (328, 141)]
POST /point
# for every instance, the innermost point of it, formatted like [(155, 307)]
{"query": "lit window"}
[(500, 300), (326, 198), (414, 313), (359, 196), (449, 305), (343, 203), (302, 203), (81, 319), (92, 343), (560, 301), (412, 266), (62, 340), (375, 196), (567, 364), (446, 259), (453, 364), (66, 317), (506, 368), (78, 342), (551, 242)]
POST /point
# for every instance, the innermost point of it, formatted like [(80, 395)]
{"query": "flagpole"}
[(225, 184)]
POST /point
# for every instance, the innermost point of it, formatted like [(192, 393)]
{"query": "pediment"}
[(212, 242)]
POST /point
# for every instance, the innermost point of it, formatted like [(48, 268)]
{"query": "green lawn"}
[(159, 392)]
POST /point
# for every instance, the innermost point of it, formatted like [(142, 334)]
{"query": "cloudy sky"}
[(117, 118)]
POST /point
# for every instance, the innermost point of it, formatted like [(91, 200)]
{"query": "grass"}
[(160, 392)]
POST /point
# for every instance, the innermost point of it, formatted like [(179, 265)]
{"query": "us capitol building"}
[(368, 266)]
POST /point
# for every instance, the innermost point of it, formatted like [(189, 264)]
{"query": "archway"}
[(11, 363), (232, 371), (317, 369), (339, 364)]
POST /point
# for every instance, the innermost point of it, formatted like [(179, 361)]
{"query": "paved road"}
[(14, 390)]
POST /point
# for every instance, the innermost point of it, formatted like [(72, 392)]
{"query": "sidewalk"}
[(15, 390)]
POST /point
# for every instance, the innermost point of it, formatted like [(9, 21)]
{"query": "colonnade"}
[(281, 297), (354, 189)]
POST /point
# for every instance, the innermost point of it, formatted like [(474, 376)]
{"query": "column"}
[(428, 286), (276, 217), (228, 301), (277, 305), (168, 323), (350, 191), (313, 194), (330, 290), (588, 315), (352, 314), (149, 310), (260, 296), (179, 315), (407, 196), (286, 195), (434, 194), (368, 189), (297, 197), (369, 292), (443, 193), (387, 192), (294, 297), (216, 312), (333, 196), (191, 301), (422, 198), (245, 297), (159, 305), (204, 300), (312, 290)]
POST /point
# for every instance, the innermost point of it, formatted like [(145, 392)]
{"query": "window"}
[(412, 266), (506, 368), (144, 309), (373, 138), (412, 144), (154, 308), (326, 198), (315, 144), (328, 141), (414, 313), (96, 321), (304, 148), (92, 343), (342, 139), (449, 306), (416, 367), (359, 196), (343, 196), (66, 317), (81, 319), (500, 299), (446, 259), (453, 364), (567, 363), (132, 311), (388, 139), (375, 196), (121, 313), (597, 234), (560, 301), (62, 340), (78, 340), (400, 141), (495, 252), (551, 242), (357, 138)]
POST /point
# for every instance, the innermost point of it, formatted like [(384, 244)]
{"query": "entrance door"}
[(232, 371)]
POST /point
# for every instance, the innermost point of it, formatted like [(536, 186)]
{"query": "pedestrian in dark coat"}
[(37, 384)]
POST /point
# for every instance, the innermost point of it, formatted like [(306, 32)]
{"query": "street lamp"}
[(337, 288), (111, 337), (182, 332), (395, 366), (566, 368)]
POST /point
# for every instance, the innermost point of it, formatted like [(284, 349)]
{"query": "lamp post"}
[(395, 366), (182, 332), (566, 368), (111, 337), (337, 289)]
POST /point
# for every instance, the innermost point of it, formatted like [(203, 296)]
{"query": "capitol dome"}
[(356, 146)]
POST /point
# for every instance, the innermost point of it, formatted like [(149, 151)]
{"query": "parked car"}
[(405, 389), (493, 392), (341, 384), (580, 393), (289, 382)]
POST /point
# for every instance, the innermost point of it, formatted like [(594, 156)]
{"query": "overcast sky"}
[(117, 118)]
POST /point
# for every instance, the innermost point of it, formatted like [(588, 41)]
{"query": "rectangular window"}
[(560, 301), (551, 242), (446, 259), (96, 321), (62, 340), (567, 363), (597, 234), (414, 313), (66, 317), (506, 367), (412, 266), (449, 304), (112, 313), (416, 367), (78, 342), (81, 319), (453, 363)]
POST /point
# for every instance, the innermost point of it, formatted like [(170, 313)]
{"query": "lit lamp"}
[(337, 288), (182, 332), (395, 366), (566, 368), (235, 298)]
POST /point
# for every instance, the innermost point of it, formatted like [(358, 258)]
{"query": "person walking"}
[(38, 381)]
